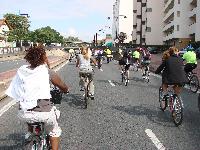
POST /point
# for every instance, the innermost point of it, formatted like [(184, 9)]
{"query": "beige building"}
[(158, 22), (147, 22)]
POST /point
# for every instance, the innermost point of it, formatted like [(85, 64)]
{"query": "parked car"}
[(153, 50)]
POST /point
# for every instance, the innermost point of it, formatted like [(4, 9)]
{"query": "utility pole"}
[(141, 26), (96, 39)]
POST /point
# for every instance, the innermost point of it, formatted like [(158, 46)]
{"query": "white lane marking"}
[(155, 140), (7, 106), (58, 68), (101, 69), (111, 83)]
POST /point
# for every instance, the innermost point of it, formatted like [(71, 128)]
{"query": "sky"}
[(80, 18)]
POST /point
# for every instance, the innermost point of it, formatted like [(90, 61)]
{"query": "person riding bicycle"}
[(191, 60), (145, 60), (136, 56), (83, 62), (99, 55), (108, 54), (31, 88), (172, 71), (125, 63)]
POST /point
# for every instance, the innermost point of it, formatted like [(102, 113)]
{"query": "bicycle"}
[(174, 103), (146, 74), (87, 80), (135, 66), (193, 82), (39, 139)]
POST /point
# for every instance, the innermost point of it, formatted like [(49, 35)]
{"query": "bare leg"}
[(55, 142)]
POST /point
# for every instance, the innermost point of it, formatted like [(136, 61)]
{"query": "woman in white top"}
[(83, 62), (31, 88)]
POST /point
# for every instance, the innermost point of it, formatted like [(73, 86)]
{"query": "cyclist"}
[(99, 56), (83, 62), (108, 54), (145, 61), (172, 71), (125, 63), (31, 88), (136, 56), (71, 52), (191, 60)]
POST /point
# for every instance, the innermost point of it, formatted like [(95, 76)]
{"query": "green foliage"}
[(19, 27), (72, 39), (46, 35)]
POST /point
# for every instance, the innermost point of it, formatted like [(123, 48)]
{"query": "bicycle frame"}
[(39, 138), (175, 105)]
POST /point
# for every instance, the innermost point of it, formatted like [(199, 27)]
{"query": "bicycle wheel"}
[(163, 103), (199, 102), (122, 75), (194, 84), (177, 111), (126, 81)]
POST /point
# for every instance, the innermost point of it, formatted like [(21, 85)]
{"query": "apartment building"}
[(194, 20), (123, 18), (147, 22), (158, 22)]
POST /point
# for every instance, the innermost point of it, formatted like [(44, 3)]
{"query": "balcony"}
[(192, 12), (169, 25), (168, 37), (169, 14), (192, 28), (168, 4)]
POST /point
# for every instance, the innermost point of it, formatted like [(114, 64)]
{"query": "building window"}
[(148, 29), (134, 11), (179, 1), (139, 0), (178, 13), (149, 10), (177, 27)]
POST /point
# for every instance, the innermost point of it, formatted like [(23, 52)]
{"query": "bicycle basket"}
[(56, 95)]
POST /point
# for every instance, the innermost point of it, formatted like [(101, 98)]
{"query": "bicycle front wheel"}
[(194, 84), (163, 103), (177, 111)]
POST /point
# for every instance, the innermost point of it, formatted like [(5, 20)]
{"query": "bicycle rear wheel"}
[(177, 111), (199, 102), (122, 76), (194, 84), (163, 103)]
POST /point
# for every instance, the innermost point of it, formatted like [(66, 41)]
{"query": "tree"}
[(46, 35), (72, 39), (19, 27)]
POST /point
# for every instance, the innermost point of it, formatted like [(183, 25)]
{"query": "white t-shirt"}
[(29, 85), (84, 63)]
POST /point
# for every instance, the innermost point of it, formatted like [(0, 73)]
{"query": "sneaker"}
[(82, 89)]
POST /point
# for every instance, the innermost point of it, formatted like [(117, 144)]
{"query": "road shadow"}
[(16, 141), (153, 114), (75, 100)]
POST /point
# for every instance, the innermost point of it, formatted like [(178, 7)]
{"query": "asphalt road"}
[(120, 118)]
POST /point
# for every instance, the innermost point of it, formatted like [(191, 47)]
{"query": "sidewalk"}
[(156, 60)]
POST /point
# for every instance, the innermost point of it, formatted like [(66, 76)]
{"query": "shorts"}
[(49, 118)]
